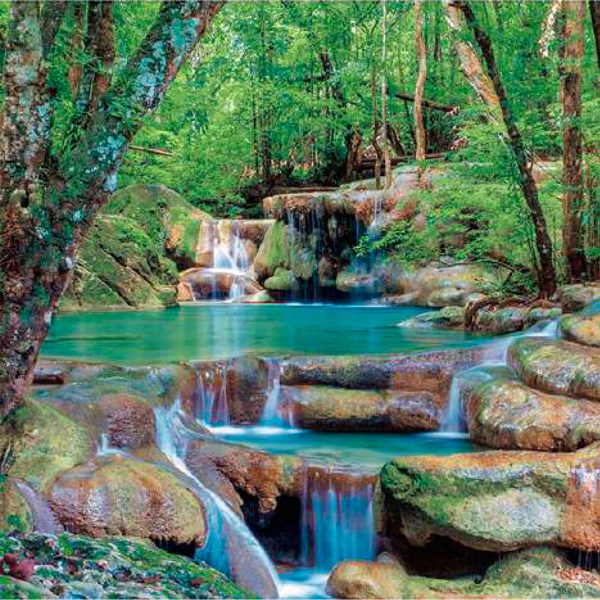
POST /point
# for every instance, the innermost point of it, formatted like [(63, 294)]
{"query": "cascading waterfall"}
[(210, 394), (337, 518), (230, 547), (453, 417), (271, 416)]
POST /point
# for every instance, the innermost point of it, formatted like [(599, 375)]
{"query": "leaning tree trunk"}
[(546, 271), (421, 53), (44, 219), (572, 52), (595, 14)]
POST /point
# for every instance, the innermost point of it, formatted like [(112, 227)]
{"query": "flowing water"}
[(230, 547), (337, 520)]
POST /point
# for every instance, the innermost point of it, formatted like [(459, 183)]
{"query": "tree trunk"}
[(375, 132), (384, 100), (595, 14), (546, 271), (593, 237), (421, 53), (469, 62), (45, 219), (572, 51)]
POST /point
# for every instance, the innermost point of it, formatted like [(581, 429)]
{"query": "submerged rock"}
[(74, 566), (534, 573), (496, 500), (337, 409), (505, 413), (449, 317), (557, 367), (121, 496)]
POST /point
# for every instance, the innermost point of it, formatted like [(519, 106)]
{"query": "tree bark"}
[(421, 53), (572, 52), (546, 271), (384, 100), (595, 14), (375, 128), (470, 64), (44, 225)]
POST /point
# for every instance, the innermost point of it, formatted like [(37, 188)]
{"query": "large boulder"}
[(535, 573), (337, 409), (577, 296), (202, 284), (441, 286), (121, 496), (502, 412), (449, 317), (273, 252), (421, 372), (128, 421), (496, 500), (581, 329), (74, 566), (233, 469), (39, 443), (557, 367)]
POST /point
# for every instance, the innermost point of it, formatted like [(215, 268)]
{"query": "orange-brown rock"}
[(557, 367), (234, 469), (496, 500), (121, 496), (581, 329), (338, 409), (129, 421), (504, 413)]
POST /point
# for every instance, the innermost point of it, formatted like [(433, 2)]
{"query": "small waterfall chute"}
[(230, 547)]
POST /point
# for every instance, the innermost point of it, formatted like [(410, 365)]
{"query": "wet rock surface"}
[(120, 496), (496, 500), (535, 573), (74, 566), (557, 367), (578, 296), (336, 409), (504, 413), (581, 329)]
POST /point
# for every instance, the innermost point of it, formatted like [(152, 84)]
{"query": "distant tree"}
[(546, 271), (421, 53), (49, 200), (571, 58)]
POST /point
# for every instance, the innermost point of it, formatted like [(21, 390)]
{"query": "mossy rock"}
[(581, 329), (41, 443), (273, 252), (536, 573), (14, 510), (496, 501), (133, 252), (449, 317), (281, 281), (74, 566)]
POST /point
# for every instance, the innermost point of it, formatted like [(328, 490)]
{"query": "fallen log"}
[(432, 104)]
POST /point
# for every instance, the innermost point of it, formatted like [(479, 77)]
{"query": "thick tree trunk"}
[(546, 271), (421, 53), (572, 52), (45, 220)]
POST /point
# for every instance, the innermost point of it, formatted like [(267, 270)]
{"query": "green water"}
[(225, 330), (362, 451)]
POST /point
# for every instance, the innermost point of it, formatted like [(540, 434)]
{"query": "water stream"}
[(230, 546)]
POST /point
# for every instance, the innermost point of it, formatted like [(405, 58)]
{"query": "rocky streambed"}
[(283, 472)]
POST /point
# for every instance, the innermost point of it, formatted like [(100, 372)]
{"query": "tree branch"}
[(432, 104)]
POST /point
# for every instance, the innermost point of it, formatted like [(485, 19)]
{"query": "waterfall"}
[(337, 518), (210, 395), (230, 547), (453, 417), (44, 520), (271, 416)]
